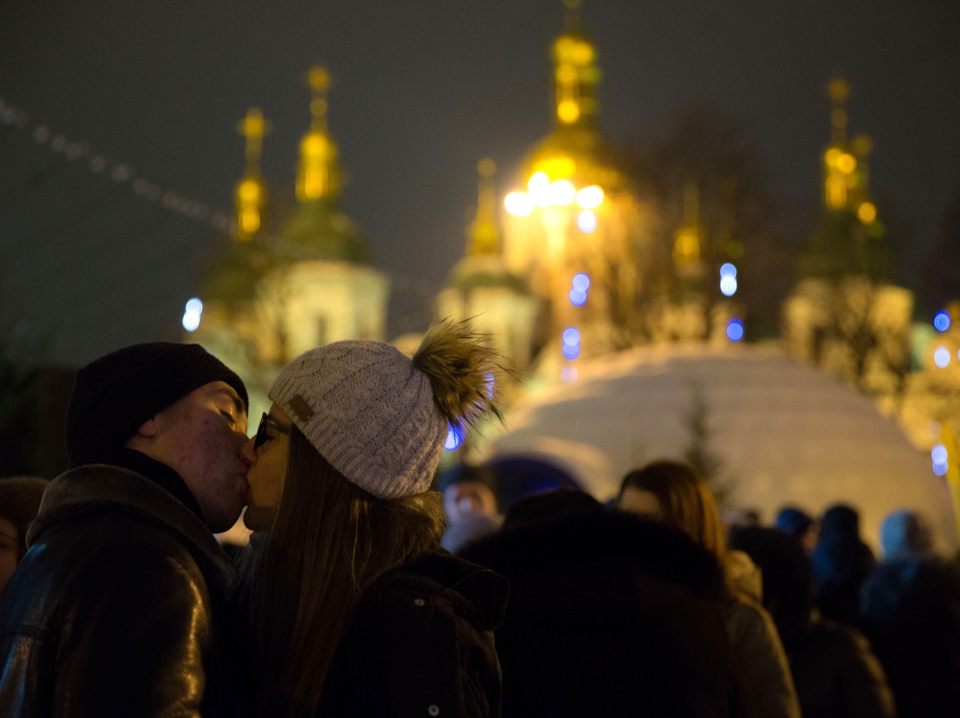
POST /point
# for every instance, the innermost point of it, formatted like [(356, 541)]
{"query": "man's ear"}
[(149, 428)]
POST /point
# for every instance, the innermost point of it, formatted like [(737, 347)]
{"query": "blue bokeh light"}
[(939, 454), (454, 438), (940, 469), (728, 286), (941, 322), (734, 330), (587, 221), (571, 351), (941, 357), (581, 281), (571, 336), (578, 298), (728, 270)]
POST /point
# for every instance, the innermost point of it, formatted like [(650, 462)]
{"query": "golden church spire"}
[(838, 164), (251, 194), (318, 176), (686, 247), (575, 72), (483, 237)]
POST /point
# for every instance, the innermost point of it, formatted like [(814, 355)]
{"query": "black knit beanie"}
[(115, 394)]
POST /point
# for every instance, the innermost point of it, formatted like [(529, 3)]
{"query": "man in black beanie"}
[(119, 606)]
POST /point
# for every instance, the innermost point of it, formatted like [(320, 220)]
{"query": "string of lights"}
[(123, 173)]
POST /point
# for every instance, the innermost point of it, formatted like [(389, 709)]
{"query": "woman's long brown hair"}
[(329, 542), (686, 502)]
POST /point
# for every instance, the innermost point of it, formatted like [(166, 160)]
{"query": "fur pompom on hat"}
[(381, 418)]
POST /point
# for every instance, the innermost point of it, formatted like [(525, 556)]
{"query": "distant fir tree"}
[(698, 452)]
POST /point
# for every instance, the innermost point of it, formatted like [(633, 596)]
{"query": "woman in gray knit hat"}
[(355, 610)]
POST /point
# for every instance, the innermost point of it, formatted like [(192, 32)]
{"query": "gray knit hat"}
[(381, 418)]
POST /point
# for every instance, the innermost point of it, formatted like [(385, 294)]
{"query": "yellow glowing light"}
[(249, 221), (315, 144), (539, 189), (518, 204), (562, 193), (846, 163), (833, 154), (249, 191), (867, 212), (557, 167), (687, 247), (565, 47), (582, 53), (836, 192), (568, 111), (567, 74), (590, 197)]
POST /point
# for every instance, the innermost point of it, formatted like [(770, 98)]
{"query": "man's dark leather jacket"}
[(118, 608)]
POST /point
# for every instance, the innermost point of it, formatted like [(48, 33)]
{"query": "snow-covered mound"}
[(785, 432)]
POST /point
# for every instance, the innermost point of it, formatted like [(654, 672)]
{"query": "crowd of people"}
[(375, 586)]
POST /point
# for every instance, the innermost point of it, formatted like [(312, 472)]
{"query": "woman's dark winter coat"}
[(840, 562), (610, 615), (421, 644), (119, 606), (910, 611)]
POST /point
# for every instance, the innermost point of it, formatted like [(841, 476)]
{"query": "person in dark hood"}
[(19, 503), (841, 561), (119, 606), (354, 608), (609, 615), (835, 672), (800, 526), (910, 611)]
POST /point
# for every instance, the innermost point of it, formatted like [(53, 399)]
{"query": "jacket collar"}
[(96, 487), (476, 593)]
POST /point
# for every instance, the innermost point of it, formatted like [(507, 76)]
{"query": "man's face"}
[(469, 497), (200, 437)]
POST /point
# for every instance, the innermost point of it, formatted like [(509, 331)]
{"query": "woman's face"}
[(641, 502), (9, 548), (268, 467)]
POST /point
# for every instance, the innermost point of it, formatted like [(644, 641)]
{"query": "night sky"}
[(423, 90)]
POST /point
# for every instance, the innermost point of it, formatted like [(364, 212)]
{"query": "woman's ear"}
[(149, 428)]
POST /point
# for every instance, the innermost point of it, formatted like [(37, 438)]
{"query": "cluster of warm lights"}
[(542, 193), (843, 161), (191, 314)]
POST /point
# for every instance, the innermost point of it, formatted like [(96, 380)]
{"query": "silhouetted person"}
[(841, 561), (834, 671), (800, 526), (910, 611), (609, 615)]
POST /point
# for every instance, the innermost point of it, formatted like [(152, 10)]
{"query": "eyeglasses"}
[(267, 423)]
